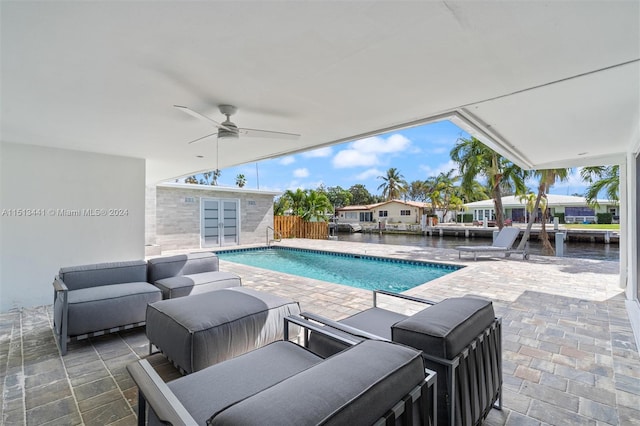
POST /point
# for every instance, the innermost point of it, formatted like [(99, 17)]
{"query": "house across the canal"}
[(575, 209)]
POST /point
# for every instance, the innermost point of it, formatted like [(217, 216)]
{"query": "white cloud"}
[(367, 152), (378, 145), (370, 173), (301, 173), (316, 153), (285, 161), (441, 168), (353, 158)]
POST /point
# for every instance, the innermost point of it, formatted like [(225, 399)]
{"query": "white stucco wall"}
[(36, 237)]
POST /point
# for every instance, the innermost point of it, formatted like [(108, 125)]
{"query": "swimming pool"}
[(367, 272)]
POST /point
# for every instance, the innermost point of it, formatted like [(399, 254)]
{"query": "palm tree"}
[(296, 200), (215, 175), (241, 181), (601, 178), (280, 205), (394, 184), (476, 159), (417, 191), (432, 193), (447, 193), (315, 207), (547, 178)]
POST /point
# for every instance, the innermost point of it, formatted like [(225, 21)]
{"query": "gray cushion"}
[(445, 328), (356, 386), (374, 320), (196, 283), (212, 389), (196, 332), (84, 276), (108, 306), (182, 264)]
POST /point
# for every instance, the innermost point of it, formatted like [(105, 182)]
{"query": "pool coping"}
[(440, 265)]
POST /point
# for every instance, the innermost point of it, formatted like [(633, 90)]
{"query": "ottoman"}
[(195, 332)]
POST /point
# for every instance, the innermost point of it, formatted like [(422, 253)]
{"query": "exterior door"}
[(219, 222)]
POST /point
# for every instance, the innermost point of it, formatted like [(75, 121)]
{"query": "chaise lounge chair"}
[(502, 244)]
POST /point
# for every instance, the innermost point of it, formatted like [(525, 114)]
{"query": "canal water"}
[(585, 250)]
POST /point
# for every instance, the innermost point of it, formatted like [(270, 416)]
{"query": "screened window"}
[(405, 212), (383, 213)]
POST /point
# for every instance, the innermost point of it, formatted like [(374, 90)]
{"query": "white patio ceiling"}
[(551, 83)]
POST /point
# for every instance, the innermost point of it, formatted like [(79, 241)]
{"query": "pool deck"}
[(569, 355)]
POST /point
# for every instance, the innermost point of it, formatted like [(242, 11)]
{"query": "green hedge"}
[(560, 217), (604, 218)]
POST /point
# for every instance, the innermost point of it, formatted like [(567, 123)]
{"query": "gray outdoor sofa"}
[(373, 382), (189, 274), (460, 338), (100, 298)]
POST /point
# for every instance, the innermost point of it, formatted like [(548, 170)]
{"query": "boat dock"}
[(581, 235)]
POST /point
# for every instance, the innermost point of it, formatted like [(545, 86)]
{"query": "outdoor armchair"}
[(460, 339)]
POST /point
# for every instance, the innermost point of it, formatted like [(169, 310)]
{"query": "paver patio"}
[(569, 356)]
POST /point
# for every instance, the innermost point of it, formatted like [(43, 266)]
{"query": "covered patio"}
[(569, 356), (88, 124)]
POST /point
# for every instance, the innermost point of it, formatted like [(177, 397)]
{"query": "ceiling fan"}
[(229, 130)]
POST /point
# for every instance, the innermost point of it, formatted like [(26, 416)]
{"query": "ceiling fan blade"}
[(255, 133), (196, 114), (204, 137)]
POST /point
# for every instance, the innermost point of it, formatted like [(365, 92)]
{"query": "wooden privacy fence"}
[(295, 227)]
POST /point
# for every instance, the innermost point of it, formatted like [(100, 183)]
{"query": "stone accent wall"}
[(178, 216)]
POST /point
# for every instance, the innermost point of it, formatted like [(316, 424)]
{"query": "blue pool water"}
[(367, 272)]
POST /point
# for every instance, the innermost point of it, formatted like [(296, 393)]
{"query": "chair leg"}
[(142, 409)]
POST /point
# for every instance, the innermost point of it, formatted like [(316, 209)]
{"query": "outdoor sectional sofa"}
[(95, 299), (100, 298), (189, 274), (283, 383)]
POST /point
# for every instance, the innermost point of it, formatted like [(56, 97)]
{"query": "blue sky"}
[(418, 153)]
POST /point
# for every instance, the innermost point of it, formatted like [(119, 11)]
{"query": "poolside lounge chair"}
[(502, 244)]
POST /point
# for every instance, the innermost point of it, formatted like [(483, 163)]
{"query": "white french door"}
[(220, 222)]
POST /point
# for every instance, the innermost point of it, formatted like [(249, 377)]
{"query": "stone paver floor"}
[(569, 355)]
